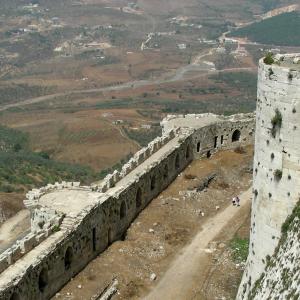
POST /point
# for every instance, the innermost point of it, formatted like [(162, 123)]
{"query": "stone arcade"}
[(72, 224)]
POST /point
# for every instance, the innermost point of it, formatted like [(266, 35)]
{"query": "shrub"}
[(278, 174), (239, 150), (44, 155), (276, 122), (269, 60), (271, 72), (55, 228), (189, 176)]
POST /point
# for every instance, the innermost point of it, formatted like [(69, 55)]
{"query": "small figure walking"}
[(233, 201), (237, 201)]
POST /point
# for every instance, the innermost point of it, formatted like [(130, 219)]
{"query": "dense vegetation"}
[(268, 4), (22, 169), (143, 136), (282, 30), (17, 92), (242, 81)]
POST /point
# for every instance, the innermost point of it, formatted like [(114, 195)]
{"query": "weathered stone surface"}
[(85, 220), (277, 151)]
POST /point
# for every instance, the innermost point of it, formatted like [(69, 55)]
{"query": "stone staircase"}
[(68, 223)]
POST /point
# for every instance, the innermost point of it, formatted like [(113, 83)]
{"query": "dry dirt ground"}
[(14, 228), (161, 232), (87, 137), (10, 204)]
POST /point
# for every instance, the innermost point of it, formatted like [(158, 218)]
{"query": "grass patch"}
[(240, 248)]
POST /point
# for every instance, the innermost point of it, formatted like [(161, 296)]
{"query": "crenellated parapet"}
[(139, 157), (72, 224)]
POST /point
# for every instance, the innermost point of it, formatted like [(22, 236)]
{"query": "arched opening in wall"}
[(123, 210), (177, 165), (198, 147), (187, 152), (15, 296), (138, 198), (153, 183), (222, 139), (109, 236), (166, 172), (68, 258), (216, 142), (236, 136), (208, 154), (43, 280), (94, 239)]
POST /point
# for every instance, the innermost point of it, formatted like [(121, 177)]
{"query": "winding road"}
[(178, 76)]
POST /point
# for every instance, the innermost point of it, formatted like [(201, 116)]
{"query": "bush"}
[(44, 155), (55, 228), (276, 122), (6, 188), (278, 174), (239, 150), (269, 60), (189, 176)]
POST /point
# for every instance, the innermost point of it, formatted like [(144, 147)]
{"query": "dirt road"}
[(14, 228), (178, 76), (179, 280)]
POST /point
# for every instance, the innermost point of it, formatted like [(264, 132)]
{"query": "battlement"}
[(72, 224)]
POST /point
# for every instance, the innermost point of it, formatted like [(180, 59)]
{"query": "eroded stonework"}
[(72, 224), (276, 177)]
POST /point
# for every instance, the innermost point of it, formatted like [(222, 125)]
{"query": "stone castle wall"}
[(276, 177), (41, 272)]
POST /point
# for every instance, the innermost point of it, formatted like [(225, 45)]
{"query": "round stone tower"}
[(276, 169)]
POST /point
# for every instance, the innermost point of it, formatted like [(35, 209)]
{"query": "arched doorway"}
[(15, 296), (123, 210), (187, 152), (153, 183), (177, 165), (208, 154), (236, 136), (43, 279), (109, 236), (198, 147), (68, 258), (138, 198), (166, 172)]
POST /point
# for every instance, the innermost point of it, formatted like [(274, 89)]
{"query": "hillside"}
[(281, 279), (22, 169), (282, 30)]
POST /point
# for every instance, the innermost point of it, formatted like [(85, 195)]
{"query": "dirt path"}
[(178, 76), (14, 228), (181, 277)]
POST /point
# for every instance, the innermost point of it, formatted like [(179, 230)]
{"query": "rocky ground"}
[(163, 230)]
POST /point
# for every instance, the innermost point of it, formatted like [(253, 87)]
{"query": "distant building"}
[(181, 46)]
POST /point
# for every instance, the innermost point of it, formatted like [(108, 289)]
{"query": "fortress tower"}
[(276, 169)]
